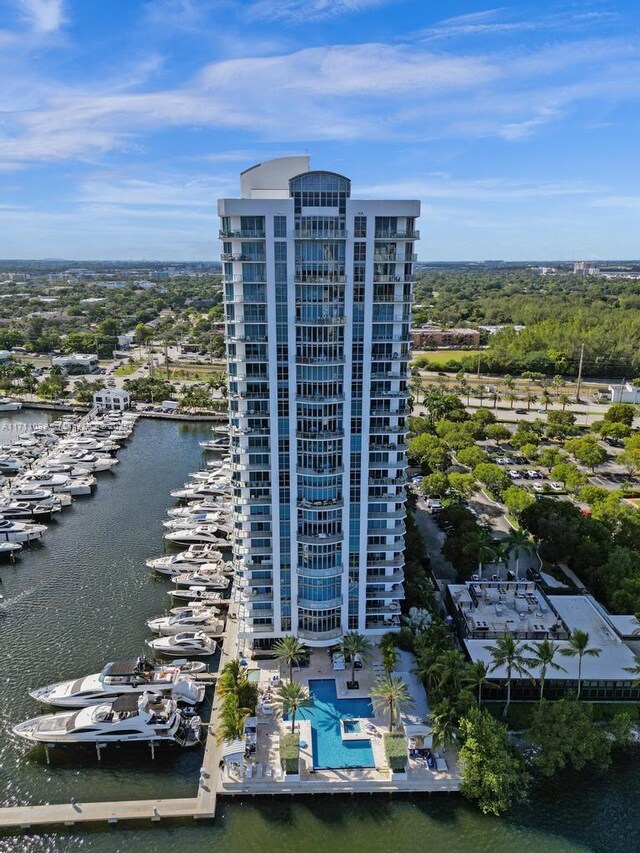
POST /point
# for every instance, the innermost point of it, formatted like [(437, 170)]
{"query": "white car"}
[(434, 503), (514, 475), (534, 475), (557, 487), (538, 487)]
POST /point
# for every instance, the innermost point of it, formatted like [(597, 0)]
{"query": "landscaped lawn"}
[(442, 356), (520, 713), (126, 369)]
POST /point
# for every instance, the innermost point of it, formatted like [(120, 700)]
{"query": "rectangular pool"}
[(325, 714)]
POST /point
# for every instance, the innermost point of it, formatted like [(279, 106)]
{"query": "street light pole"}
[(579, 380)]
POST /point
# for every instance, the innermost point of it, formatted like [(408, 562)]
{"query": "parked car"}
[(538, 487), (557, 487), (434, 504), (542, 411), (515, 475), (535, 475), (521, 411)]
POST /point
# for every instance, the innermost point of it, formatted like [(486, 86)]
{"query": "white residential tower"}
[(317, 289)]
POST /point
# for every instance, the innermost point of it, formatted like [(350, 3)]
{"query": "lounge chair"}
[(248, 771)]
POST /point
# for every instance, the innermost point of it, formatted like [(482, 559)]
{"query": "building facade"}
[(317, 290)]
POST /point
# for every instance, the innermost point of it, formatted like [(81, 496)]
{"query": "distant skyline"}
[(516, 126)]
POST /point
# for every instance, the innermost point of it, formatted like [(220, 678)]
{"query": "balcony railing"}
[(331, 604), (321, 539), (242, 234), (383, 234), (319, 636), (308, 572), (331, 234)]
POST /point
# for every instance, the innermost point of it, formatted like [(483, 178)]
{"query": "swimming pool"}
[(325, 714)]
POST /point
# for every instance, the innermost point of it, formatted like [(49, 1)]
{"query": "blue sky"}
[(121, 121)]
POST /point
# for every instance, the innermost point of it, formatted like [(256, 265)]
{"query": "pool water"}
[(325, 714), (351, 727)]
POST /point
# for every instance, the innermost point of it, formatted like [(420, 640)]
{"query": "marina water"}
[(82, 597)]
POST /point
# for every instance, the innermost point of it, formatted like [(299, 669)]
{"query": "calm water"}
[(83, 597)]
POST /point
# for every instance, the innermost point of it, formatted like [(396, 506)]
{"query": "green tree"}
[(565, 734), (508, 654), (579, 647), (471, 457), (389, 652), (231, 678), (290, 651), (517, 500), (435, 484), (620, 413), (493, 477), (291, 698), (519, 542), (587, 451), (462, 485), (570, 475), (543, 658), (447, 671), (492, 774), (231, 719), (391, 695), (479, 546), (355, 645), (477, 677), (498, 432)]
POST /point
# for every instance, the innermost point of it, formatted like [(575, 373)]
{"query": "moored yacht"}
[(144, 717), (206, 533), (190, 619), (196, 554), (20, 531), (198, 594), (208, 577), (8, 405), (186, 644), (120, 678)]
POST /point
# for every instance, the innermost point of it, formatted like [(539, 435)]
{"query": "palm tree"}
[(579, 647), (447, 671), (546, 399), (543, 654), (231, 678), (290, 698), (519, 541), (355, 645), (508, 653), (231, 721), (288, 651), (512, 397), (389, 653), (391, 694), (530, 398), (501, 554), (476, 675), (479, 545)]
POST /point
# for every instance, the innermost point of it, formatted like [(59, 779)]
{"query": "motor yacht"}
[(191, 521), (186, 644), (206, 533), (197, 594), (216, 444), (210, 476), (8, 405), (23, 511), (197, 493), (79, 442), (11, 464), (120, 678), (20, 531), (90, 462), (191, 619), (195, 555), (206, 576), (31, 494), (60, 482), (212, 505), (144, 717), (220, 429)]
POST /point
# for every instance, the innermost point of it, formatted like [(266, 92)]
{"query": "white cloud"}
[(45, 16), (442, 186), (299, 11)]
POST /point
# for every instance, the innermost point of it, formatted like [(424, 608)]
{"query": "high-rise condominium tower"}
[(317, 289)]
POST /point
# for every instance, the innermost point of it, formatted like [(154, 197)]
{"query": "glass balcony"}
[(242, 234), (385, 234), (331, 234), (319, 636)]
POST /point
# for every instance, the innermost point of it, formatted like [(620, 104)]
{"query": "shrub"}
[(290, 752), (395, 748)]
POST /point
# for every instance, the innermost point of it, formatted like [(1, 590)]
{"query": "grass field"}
[(127, 369), (442, 356)]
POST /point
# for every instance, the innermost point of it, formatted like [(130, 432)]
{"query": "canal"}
[(82, 597)]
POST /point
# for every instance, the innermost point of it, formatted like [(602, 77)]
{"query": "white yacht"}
[(205, 506), (198, 594), (205, 533), (120, 678), (190, 619), (190, 521), (220, 429), (197, 493), (9, 549), (215, 444), (86, 461), (206, 576), (60, 482), (138, 717), (186, 644), (8, 405), (197, 554), (23, 511), (20, 531), (10, 464)]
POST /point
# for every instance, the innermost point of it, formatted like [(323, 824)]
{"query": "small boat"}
[(8, 405), (186, 644), (199, 594), (9, 549), (216, 444), (20, 531), (191, 619), (220, 429), (144, 717), (23, 511), (120, 678), (10, 464)]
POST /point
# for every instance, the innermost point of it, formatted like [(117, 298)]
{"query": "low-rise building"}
[(112, 399), (624, 393), (75, 363), (432, 337), (485, 611)]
